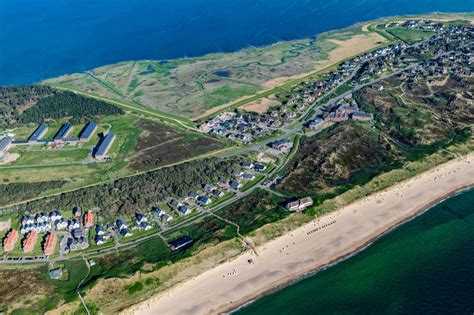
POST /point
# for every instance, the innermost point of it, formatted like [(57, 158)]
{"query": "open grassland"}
[(409, 36), (141, 145), (120, 280), (412, 119), (159, 145), (197, 87)]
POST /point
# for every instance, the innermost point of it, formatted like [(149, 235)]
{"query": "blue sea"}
[(40, 39)]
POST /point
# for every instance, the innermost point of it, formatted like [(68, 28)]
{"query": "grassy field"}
[(191, 87), (409, 36), (141, 145), (121, 279)]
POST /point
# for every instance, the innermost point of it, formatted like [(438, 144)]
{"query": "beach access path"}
[(316, 244)]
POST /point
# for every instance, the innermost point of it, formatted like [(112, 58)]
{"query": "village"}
[(57, 233), (61, 233), (372, 65), (61, 138)]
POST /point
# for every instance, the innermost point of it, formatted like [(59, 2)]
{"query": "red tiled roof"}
[(88, 219), (29, 241), (10, 240), (49, 244)]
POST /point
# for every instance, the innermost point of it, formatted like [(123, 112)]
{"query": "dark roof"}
[(156, 210), (124, 232), (88, 129), (181, 242), (36, 134), (65, 128), (4, 142), (104, 144)]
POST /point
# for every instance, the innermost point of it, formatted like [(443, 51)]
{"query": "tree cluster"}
[(14, 99), (68, 104), (35, 103), (15, 192), (141, 192)]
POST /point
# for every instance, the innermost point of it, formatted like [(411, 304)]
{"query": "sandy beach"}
[(312, 246)]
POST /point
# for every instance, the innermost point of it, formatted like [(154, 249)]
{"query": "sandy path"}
[(311, 246)]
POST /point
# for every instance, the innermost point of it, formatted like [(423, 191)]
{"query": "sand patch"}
[(448, 18), (262, 105), (5, 225), (9, 158), (218, 108), (345, 49)]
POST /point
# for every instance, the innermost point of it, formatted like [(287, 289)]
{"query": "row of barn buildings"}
[(62, 137)]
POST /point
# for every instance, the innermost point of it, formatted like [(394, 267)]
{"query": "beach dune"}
[(312, 246)]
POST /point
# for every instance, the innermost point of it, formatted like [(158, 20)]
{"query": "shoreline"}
[(269, 274), (352, 253)]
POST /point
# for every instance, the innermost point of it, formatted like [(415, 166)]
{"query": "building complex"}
[(10, 240), (62, 137)]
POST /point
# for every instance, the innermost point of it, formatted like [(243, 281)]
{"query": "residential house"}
[(183, 210), (204, 200), (259, 167), (55, 215), (217, 193), (193, 195), (174, 203), (99, 240), (29, 241), (181, 243), (166, 218), (100, 230), (235, 184), (55, 274), (140, 218), (247, 176), (88, 219), (77, 212), (10, 240), (316, 124), (145, 226), (247, 165), (362, 116), (78, 233), (125, 233), (121, 225), (207, 187), (157, 212), (60, 224), (49, 244), (299, 205)]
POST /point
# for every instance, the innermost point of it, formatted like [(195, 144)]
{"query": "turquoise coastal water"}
[(40, 39), (425, 266)]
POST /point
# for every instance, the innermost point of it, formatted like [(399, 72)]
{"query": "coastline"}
[(377, 215), (352, 253)]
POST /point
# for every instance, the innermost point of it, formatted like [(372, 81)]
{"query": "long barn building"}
[(88, 131), (100, 152), (38, 133), (5, 144)]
